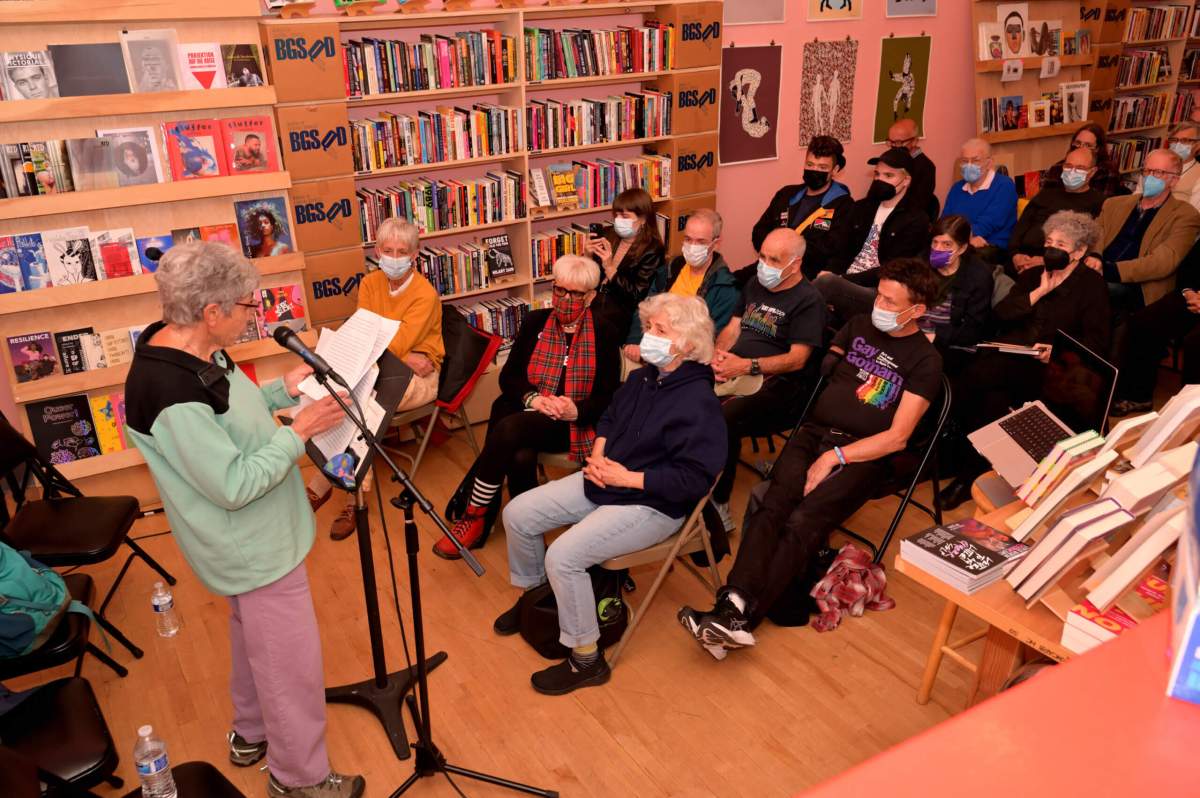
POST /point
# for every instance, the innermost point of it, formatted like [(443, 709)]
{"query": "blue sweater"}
[(992, 213), (672, 430)]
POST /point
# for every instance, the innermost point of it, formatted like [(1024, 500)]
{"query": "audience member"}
[(987, 198), (1062, 294), (1184, 141), (699, 271), (658, 449), (544, 405), (884, 376), (396, 291), (880, 227), (775, 329), (923, 191), (629, 256), (1074, 192), (810, 208), (959, 314), (1107, 179)]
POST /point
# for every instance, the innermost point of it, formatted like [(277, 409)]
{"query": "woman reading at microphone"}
[(230, 487)]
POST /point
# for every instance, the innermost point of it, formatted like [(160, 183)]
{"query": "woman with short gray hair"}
[(230, 487)]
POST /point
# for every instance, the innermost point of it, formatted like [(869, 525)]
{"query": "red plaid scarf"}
[(546, 366)]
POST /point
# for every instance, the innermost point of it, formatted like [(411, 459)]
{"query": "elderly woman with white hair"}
[(397, 291), (659, 446), (230, 487), (560, 375)]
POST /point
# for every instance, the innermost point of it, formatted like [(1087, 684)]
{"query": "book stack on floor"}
[(968, 554)]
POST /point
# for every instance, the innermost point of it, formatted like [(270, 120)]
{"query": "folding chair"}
[(692, 537), (559, 460)]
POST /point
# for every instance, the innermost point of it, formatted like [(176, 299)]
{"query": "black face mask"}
[(881, 190), (1056, 259), (815, 178)]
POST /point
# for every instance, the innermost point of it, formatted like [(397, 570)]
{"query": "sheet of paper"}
[(1013, 70), (353, 348), (336, 440), (373, 411), (1050, 67)]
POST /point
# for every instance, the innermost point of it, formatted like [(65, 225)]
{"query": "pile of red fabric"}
[(852, 583)]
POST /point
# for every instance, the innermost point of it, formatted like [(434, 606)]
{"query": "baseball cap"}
[(896, 157)]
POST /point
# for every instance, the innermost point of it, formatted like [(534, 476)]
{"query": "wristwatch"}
[(755, 368)]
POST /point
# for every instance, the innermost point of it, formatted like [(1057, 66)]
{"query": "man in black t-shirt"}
[(777, 325), (885, 374)]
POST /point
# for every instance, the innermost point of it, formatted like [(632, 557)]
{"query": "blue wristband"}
[(837, 450)]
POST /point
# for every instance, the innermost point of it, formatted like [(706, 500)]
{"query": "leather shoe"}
[(958, 492), (344, 525)]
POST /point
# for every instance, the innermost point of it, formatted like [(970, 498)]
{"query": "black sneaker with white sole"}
[(243, 753), (726, 627)]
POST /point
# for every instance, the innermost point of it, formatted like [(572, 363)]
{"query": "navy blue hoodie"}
[(672, 430)]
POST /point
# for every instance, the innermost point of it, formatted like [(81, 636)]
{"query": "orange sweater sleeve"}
[(419, 312)]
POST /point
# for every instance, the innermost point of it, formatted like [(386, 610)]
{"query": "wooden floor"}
[(769, 721)]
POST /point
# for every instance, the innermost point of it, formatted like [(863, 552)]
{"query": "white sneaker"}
[(726, 518)]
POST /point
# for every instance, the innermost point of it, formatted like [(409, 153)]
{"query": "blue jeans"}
[(599, 532)]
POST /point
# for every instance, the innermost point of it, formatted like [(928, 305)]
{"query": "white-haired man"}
[(985, 197)]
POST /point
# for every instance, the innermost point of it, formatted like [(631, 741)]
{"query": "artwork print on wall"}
[(912, 8), (903, 80), (750, 113), (831, 10), (827, 89)]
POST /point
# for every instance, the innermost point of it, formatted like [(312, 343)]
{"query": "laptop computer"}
[(1077, 391)]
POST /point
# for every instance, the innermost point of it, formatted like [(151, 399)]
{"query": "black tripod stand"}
[(383, 699)]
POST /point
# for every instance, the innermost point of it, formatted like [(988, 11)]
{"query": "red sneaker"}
[(469, 531)]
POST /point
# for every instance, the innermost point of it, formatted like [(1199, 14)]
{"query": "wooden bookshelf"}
[(1035, 62), (135, 104), (67, 12), (393, 98)]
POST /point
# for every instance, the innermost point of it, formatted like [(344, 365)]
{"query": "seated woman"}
[(1064, 294), (658, 449), (963, 307), (630, 254), (564, 402)]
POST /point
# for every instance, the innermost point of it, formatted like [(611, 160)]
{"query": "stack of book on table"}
[(1087, 627), (969, 555)]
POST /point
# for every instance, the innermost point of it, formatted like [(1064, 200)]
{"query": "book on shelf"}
[(69, 256), (29, 75), (445, 204), (195, 149), (32, 356), (552, 124), (548, 246), (151, 59), (1156, 22), (62, 429), (969, 555), (115, 253), (498, 252), (116, 347), (160, 243), (436, 61), (451, 270), (1084, 540), (390, 140), (263, 227), (10, 267), (185, 235), (135, 332), (88, 70), (108, 415), (253, 326), (135, 156), (250, 145), (221, 234), (1059, 533), (576, 53), (31, 256), (539, 189), (201, 66), (282, 306), (78, 350), (243, 65), (502, 317), (564, 181), (92, 164)]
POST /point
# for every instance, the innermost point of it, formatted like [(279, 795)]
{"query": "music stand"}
[(384, 693)]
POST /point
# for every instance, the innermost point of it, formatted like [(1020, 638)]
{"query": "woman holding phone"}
[(629, 254)]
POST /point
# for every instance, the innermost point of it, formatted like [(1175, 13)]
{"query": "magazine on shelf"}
[(10, 267), (243, 67), (282, 306), (263, 227), (32, 356), (69, 256), (161, 243), (194, 149), (134, 157), (249, 145), (108, 415), (151, 59), (201, 66), (92, 164), (32, 258), (62, 429), (86, 70), (71, 351), (29, 75)]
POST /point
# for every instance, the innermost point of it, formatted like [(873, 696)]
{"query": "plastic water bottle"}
[(154, 771), (165, 617)]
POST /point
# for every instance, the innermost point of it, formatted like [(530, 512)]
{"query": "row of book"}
[(1129, 153), (501, 317), (1150, 23), (1140, 67), (143, 61), (1132, 111), (596, 183), (550, 245), (1189, 68), (551, 124), (1067, 105), (577, 53), (1087, 627), (466, 267), (1182, 108), (392, 140), (118, 157), (444, 204), (436, 61)]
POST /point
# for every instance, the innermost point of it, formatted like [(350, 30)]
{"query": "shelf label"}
[(316, 140), (333, 279), (696, 99), (305, 61), (695, 165), (326, 215), (697, 33)]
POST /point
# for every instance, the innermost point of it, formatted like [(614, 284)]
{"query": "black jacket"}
[(782, 212), (970, 304), (1028, 237), (905, 234), (1079, 307), (922, 191), (617, 299)]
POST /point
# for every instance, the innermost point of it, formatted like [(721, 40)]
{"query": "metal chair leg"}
[(109, 627), (466, 422), (107, 660), (425, 440), (163, 572)]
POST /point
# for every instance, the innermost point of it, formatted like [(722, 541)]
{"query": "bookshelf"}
[(148, 210)]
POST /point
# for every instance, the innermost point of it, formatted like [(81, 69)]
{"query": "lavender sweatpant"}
[(278, 683)]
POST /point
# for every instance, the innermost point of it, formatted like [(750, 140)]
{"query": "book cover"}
[(32, 356), (86, 70), (69, 256), (194, 148), (969, 546), (185, 235), (250, 371), (1010, 112), (92, 164), (200, 66), (152, 137), (10, 267), (93, 351), (253, 326), (145, 247), (62, 429), (135, 332), (13, 165), (117, 349), (151, 59), (115, 252), (71, 353), (243, 67), (562, 183), (108, 415), (282, 306), (134, 158), (538, 189), (42, 167), (499, 256), (249, 145), (29, 75), (221, 234), (262, 227), (60, 164), (32, 259)]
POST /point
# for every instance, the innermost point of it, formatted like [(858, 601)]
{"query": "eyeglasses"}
[(1075, 145), (1162, 174), (251, 305), (901, 142), (1177, 140), (561, 292), (977, 161)]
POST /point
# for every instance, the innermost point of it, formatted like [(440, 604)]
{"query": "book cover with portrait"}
[(29, 75), (194, 148), (32, 356), (151, 59), (69, 256), (250, 145), (135, 157), (243, 67), (263, 227)]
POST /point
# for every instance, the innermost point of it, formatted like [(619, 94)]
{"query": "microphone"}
[(287, 338)]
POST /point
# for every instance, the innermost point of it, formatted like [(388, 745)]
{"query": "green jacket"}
[(719, 291), (225, 470)]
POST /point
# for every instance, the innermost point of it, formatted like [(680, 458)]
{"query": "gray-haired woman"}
[(659, 446), (227, 476)]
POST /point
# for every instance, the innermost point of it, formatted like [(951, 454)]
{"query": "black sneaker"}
[(724, 627), (242, 753), (1127, 407), (569, 675), (509, 622)]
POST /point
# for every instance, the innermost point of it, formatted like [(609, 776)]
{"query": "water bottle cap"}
[(145, 731), (158, 585)]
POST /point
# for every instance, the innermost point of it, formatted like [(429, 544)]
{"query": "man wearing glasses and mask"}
[(903, 133)]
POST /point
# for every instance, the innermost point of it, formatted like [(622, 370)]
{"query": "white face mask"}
[(626, 228), (886, 321), (695, 254), (394, 268), (656, 350)]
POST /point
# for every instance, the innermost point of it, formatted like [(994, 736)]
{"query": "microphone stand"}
[(382, 695)]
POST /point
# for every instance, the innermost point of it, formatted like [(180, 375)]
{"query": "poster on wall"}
[(903, 79), (750, 112), (912, 8), (827, 89), (754, 12), (833, 10)]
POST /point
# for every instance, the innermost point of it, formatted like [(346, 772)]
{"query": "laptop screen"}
[(1078, 385)]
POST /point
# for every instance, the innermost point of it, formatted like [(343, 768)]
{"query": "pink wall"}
[(744, 190)]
